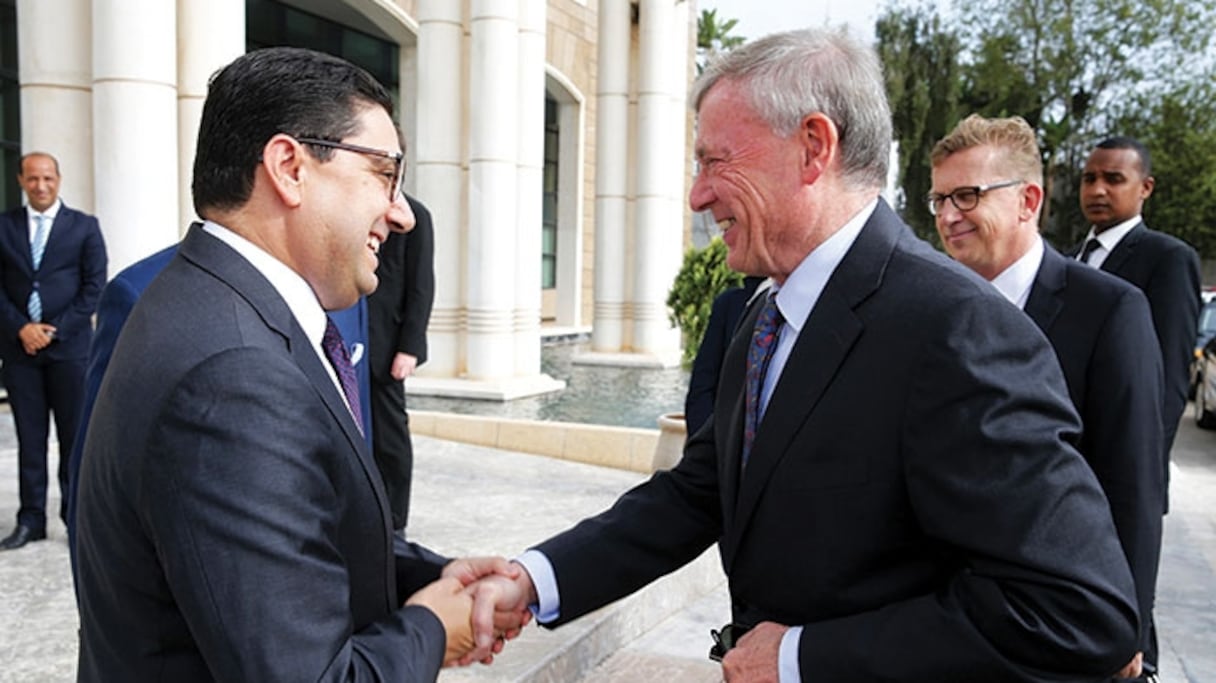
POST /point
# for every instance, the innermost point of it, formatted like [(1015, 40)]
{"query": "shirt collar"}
[(51, 212), (1015, 281), (1111, 236), (296, 292), (798, 296)]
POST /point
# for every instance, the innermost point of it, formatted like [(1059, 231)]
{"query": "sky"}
[(761, 17)]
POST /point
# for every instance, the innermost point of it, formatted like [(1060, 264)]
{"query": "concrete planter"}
[(670, 446)]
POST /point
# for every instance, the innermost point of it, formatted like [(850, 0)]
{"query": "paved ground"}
[(468, 500)]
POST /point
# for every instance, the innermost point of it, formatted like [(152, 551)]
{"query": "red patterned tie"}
[(339, 357), (759, 353)]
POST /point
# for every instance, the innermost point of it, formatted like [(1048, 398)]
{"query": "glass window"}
[(10, 107), (548, 254)]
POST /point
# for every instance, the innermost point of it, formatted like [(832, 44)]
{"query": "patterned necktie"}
[(37, 248), (759, 353), (339, 357), (1091, 245)]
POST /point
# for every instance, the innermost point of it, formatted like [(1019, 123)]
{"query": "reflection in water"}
[(594, 394)]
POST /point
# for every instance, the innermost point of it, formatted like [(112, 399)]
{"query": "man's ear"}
[(283, 164), (820, 144), (1032, 199), (1146, 189)]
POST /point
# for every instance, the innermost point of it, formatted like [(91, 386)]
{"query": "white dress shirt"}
[(1015, 282), (1109, 238)]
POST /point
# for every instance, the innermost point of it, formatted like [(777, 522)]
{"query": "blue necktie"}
[(37, 248), (339, 358), (759, 354)]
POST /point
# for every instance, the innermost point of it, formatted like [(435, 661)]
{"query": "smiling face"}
[(39, 178), (1113, 187), (748, 178), (348, 214), (998, 231)]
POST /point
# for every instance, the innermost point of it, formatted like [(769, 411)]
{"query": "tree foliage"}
[(714, 36), (1074, 69), (702, 277), (921, 60)]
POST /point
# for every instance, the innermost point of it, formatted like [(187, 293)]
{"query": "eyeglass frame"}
[(934, 199), (398, 160), (725, 639)]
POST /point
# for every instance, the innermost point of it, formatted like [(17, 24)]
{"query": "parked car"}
[(1207, 330), (1205, 393)]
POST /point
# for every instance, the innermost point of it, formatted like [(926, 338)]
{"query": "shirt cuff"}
[(788, 670), (545, 582)]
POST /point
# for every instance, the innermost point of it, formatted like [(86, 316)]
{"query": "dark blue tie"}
[(339, 357), (759, 354), (1091, 246)]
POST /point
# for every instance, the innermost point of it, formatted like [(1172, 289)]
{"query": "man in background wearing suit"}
[(723, 321), (986, 198), (52, 267), (891, 497), (398, 313), (232, 524), (117, 299), (1117, 180)]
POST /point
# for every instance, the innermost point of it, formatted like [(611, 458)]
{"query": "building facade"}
[(548, 138)]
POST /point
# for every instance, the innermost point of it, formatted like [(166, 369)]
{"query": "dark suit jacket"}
[(232, 523), (1166, 269), (911, 498), (1102, 331), (69, 280), (724, 317), (400, 308)]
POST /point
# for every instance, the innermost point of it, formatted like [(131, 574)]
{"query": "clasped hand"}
[(482, 602)]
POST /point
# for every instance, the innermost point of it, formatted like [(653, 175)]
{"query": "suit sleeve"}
[(1039, 583), (1123, 437), (419, 284), (611, 555), (77, 317), (1173, 292), (243, 496)]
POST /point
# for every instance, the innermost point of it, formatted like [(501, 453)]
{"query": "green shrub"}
[(702, 277)]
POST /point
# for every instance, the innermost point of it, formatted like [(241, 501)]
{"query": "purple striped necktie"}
[(339, 358), (759, 354)]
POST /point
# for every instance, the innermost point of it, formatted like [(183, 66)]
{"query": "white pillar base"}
[(505, 389)]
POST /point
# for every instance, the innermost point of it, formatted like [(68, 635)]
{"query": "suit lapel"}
[(1124, 250), (822, 347), (1044, 302), (212, 255)]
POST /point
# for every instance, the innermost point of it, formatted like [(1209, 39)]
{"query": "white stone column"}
[(611, 175), (659, 182), (439, 178), (530, 152), (54, 57), (493, 187), (210, 34), (135, 126)]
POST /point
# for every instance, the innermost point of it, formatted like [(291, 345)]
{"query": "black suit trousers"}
[(35, 391)]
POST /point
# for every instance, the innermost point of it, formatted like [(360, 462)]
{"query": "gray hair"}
[(789, 75)]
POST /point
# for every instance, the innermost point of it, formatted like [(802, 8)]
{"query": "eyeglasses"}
[(964, 198), (398, 158), (725, 639)]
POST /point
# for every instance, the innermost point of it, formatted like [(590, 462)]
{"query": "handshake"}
[(482, 603)]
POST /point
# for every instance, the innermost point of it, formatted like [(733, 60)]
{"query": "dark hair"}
[(300, 92), (1122, 142)]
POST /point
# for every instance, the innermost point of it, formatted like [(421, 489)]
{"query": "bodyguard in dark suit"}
[(232, 524), (894, 496), (398, 313), (1117, 180), (52, 268), (986, 198), (723, 321)]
